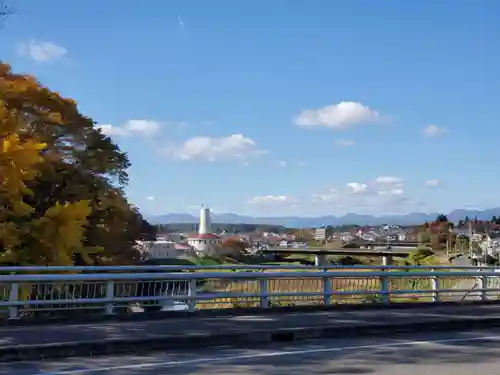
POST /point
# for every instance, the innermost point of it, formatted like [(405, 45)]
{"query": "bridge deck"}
[(13, 336), (344, 251)]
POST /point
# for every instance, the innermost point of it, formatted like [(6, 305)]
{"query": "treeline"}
[(476, 224), (440, 235), (61, 183)]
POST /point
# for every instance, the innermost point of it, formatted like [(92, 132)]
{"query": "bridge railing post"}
[(192, 291), (483, 285), (263, 294), (110, 295), (385, 289), (14, 297), (435, 287), (327, 291)]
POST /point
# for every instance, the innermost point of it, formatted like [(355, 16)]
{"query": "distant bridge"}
[(392, 244), (320, 254)]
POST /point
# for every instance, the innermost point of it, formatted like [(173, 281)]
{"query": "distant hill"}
[(219, 227), (311, 222)]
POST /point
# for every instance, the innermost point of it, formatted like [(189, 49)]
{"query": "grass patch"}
[(347, 286)]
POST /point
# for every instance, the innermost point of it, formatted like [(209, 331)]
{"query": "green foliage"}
[(420, 255), (351, 245), (441, 218), (61, 183), (375, 299), (208, 260), (168, 262), (314, 243)]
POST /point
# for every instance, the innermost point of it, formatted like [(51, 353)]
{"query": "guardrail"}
[(166, 268), (111, 293)]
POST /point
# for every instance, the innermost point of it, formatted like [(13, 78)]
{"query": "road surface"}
[(175, 327), (457, 353)]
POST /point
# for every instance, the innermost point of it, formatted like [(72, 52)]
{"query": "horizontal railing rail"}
[(239, 275), (221, 267), (210, 287)]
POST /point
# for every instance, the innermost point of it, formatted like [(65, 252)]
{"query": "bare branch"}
[(5, 12)]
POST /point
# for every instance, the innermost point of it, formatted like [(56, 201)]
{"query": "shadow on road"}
[(324, 357)]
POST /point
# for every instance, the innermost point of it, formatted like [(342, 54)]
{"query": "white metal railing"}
[(122, 269), (24, 293)]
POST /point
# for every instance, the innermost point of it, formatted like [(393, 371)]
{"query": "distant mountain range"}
[(311, 222)]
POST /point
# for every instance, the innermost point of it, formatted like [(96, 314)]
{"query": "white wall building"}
[(205, 242), (163, 250), (491, 244)]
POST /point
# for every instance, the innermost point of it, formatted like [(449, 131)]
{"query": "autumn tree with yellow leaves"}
[(61, 180)]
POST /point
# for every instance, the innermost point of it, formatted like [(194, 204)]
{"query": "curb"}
[(141, 346), (81, 318)]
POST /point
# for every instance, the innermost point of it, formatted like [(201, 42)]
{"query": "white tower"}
[(205, 224), (205, 242)]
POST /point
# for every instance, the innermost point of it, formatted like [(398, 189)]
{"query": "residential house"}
[(391, 238), (283, 243), (323, 233), (296, 244), (369, 236), (347, 236), (491, 243), (412, 237), (166, 249)]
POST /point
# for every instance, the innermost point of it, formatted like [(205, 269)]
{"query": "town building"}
[(205, 242), (166, 249), (490, 244), (323, 233), (161, 249)]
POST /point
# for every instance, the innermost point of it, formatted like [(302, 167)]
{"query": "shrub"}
[(208, 260), (348, 261), (420, 254)]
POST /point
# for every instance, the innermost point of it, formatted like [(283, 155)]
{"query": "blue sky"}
[(281, 107)]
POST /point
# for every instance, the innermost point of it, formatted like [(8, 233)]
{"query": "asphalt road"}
[(456, 353), (137, 330)]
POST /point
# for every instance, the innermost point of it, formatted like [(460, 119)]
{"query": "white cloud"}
[(180, 22), (344, 143), (41, 51), (282, 163), (328, 196), (389, 186), (132, 127), (150, 198), (271, 199), (433, 131), (391, 192), (356, 187), (382, 194), (338, 116), (432, 183), (235, 146), (388, 180)]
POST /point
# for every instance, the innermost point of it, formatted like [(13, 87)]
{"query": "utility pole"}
[(449, 242), (485, 249), (470, 239)]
